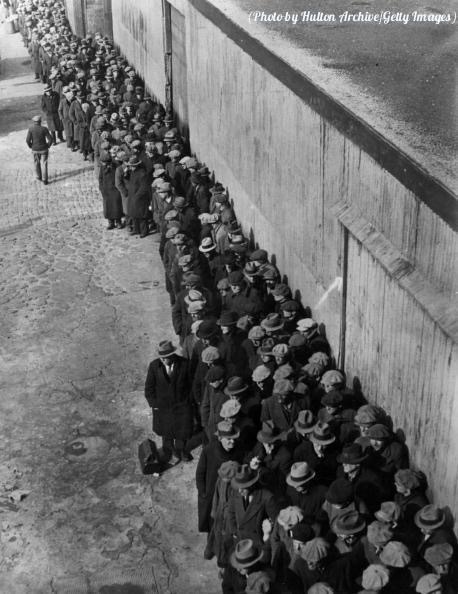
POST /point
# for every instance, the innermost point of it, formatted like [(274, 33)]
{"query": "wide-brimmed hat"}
[(207, 245), (350, 522), (245, 477), (322, 434), (269, 433), (207, 329), (230, 408), (227, 430), (261, 373), (272, 322), (300, 474), (352, 454), (305, 422), (429, 517), (340, 492), (166, 348), (395, 554), (389, 511), (228, 469), (246, 554), (235, 385)]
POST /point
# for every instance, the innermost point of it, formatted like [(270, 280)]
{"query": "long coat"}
[(74, 113), (50, 107), (139, 193), (247, 523), (112, 203), (64, 109), (211, 458), (170, 399), (220, 539)]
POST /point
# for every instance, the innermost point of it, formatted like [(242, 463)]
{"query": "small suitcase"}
[(148, 458)]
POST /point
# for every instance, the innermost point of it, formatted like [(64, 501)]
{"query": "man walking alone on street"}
[(39, 139)]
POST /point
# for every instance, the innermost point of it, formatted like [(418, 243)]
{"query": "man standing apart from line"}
[(39, 139)]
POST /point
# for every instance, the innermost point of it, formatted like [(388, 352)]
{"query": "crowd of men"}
[(302, 485)]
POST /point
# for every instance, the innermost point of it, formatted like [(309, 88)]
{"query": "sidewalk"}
[(81, 310)]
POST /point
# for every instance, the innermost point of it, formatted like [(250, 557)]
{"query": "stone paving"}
[(81, 309)]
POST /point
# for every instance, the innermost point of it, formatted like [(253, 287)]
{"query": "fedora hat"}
[(322, 434), (350, 522), (352, 454), (340, 492), (429, 517), (305, 422), (166, 348), (227, 430), (389, 511), (300, 474), (207, 245), (228, 318), (245, 477), (246, 554), (269, 433), (235, 385), (272, 322)]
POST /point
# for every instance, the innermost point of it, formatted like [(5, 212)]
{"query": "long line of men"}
[(302, 485)]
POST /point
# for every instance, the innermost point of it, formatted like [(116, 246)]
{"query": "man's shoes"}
[(120, 225), (39, 178), (133, 232), (174, 460), (143, 235), (186, 457), (110, 226), (45, 182)]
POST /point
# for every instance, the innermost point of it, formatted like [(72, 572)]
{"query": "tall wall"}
[(90, 16), (357, 228), (138, 31)]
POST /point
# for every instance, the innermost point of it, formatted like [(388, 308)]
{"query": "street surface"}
[(81, 312)]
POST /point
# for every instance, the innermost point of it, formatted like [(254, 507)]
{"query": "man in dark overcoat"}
[(64, 108), (139, 196), (50, 106), (167, 390)]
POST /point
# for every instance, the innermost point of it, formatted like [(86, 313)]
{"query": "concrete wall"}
[(90, 16), (330, 199), (138, 31)]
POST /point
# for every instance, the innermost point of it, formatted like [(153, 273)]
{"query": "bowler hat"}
[(350, 522), (207, 329), (166, 348), (227, 430), (429, 517), (245, 477), (269, 433), (352, 454), (305, 422), (300, 474), (322, 434), (235, 385), (246, 552), (340, 492)]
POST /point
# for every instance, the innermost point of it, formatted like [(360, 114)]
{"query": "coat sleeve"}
[(201, 472), (28, 139), (205, 407), (150, 386), (265, 412), (177, 319)]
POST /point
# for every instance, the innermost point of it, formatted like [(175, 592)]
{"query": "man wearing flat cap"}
[(39, 139), (167, 391)]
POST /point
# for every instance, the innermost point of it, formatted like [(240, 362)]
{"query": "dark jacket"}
[(139, 193), (50, 107), (169, 398), (38, 138), (247, 523), (112, 204)]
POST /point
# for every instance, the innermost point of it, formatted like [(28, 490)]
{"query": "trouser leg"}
[(167, 446), (45, 166), (37, 161)]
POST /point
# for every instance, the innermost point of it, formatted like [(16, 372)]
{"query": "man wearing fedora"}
[(248, 570), (222, 448), (167, 390), (39, 139), (304, 491), (50, 107), (250, 505), (139, 196)]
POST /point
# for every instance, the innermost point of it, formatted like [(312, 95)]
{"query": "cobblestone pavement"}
[(81, 309)]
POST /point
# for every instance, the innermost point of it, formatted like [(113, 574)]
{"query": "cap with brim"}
[(350, 522), (378, 432), (261, 373), (36, 118), (227, 470), (389, 511), (230, 409), (315, 550), (375, 577), (352, 454), (395, 554), (340, 492), (166, 348), (439, 554), (429, 517), (207, 329), (300, 474), (379, 534), (210, 354), (227, 430), (228, 318), (235, 385), (429, 584), (246, 554), (272, 322), (245, 477), (305, 422), (269, 433), (215, 373)]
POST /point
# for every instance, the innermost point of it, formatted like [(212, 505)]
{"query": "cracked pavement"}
[(81, 310)]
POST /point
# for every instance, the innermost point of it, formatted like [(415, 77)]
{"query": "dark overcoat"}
[(247, 523), (50, 108), (139, 193), (169, 398), (112, 203)]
